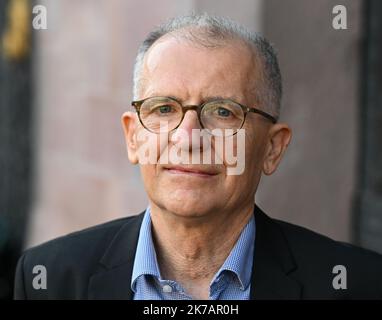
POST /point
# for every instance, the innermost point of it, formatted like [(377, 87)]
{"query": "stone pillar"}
[(369, 206)]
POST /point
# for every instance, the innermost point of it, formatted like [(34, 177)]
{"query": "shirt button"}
[(167, 289)]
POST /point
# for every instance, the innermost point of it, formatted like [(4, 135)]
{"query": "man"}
[(202, 236)]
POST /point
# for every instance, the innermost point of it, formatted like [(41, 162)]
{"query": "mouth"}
[(192, 171)]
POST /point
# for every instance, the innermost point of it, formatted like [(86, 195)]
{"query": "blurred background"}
[(63, 164)]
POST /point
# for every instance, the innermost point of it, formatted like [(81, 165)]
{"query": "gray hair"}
[(212, 31)]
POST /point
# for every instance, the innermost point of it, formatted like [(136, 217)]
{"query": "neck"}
[(191, 250)]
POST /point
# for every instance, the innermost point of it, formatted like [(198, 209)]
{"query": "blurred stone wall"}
[(315, 183)]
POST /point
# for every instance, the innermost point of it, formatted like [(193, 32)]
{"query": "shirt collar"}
[(145, 262), (239, 261)]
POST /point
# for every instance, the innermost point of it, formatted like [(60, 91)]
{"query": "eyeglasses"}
[(219, 114)]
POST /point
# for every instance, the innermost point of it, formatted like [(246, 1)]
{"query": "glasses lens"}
[(160, 114), (224, 117)]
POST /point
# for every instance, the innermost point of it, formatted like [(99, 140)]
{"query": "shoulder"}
[(319, 258), (70, 260), (86, 242), (305, 241)]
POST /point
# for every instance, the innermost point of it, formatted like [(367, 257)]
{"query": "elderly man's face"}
[(194, 74)]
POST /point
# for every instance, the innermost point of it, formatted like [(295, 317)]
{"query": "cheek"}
[(237, 189), (151, 180), (230, 151), (148, 173), (150, 146), (255, 148), (245, 149)]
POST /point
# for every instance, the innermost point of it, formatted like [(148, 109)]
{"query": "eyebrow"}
[(204, 100), (212, 98)]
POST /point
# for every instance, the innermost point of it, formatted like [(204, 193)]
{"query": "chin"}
[(188, 207)]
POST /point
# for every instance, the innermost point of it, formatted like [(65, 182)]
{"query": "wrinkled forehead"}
[(175, 65)]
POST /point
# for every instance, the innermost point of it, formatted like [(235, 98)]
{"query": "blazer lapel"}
[(273, 262), (272, 266), (113, 280)]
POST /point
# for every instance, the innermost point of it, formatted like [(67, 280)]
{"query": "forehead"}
[(175, 66)]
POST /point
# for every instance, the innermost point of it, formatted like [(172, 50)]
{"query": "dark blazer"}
[(290, 262)]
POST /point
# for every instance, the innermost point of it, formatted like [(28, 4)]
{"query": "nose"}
[(184, 136)]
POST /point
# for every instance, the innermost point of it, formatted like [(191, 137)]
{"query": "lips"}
[(192, 170)]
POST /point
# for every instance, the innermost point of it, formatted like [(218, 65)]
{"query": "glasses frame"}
[(198, 108)]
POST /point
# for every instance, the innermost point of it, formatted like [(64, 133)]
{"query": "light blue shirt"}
[(231, 282)]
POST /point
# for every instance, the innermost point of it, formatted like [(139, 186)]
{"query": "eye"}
[(222, 112), (164, 109)]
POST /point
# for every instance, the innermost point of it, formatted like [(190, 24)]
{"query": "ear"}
[(129, 124), (278, 140)]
